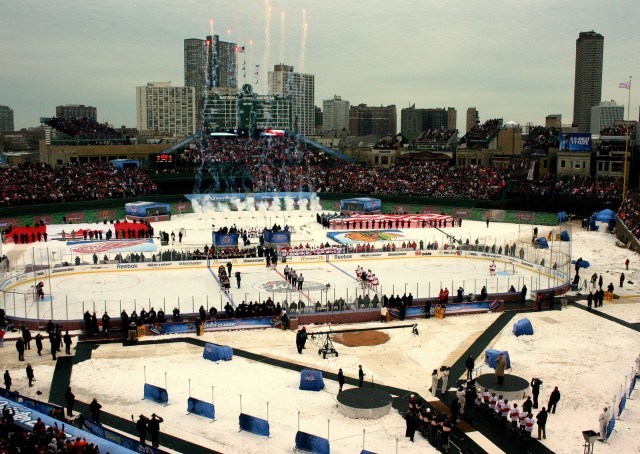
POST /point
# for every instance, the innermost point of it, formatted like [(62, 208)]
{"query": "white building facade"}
[(163, 108), (335, 115), (300, 88)]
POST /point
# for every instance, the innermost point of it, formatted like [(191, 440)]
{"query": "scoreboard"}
[(247, 111)]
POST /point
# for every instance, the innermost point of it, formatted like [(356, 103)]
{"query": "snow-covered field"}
[(586, 356)]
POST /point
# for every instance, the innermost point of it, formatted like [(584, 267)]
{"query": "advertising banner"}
[(74, 218), (47, 219), (575, 141), (210, 325), (417, 310), (8, 222), (462, 212), (106, 215)]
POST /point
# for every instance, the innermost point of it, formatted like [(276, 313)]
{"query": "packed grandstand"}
[(283, 163)]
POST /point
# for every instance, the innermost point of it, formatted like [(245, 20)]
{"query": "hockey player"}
[(492, 269)]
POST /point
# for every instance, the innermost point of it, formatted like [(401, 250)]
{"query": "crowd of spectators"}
[(617, 130), (83, 128), (605, 189), (31, 184), (388, 143), (435, 136), (481, 132), (629, 211), (541, 138)]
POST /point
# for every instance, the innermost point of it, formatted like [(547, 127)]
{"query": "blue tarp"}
[(312, 443), (604, 216), (583, 263), (490, 357), (215, 352), (523, 327), (564, 236), (311, 380), (541, 243), (562, 217)]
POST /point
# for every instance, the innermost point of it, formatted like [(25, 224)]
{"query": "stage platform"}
[(364, 403), (513, 388)]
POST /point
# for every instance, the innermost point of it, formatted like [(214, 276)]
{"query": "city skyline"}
[(510, 60)]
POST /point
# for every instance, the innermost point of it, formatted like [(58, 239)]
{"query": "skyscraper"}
[(194, 66), (588, 78), (166, 109), (283, 81), (210, 64), (6, 119)]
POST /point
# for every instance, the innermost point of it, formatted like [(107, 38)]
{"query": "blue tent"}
[(564, 236), (604, 216), (541, 243), (490, 357), (311, 380), (215, 352), (523, 327)]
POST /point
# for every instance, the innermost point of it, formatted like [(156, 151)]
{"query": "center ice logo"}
[(283, 287)]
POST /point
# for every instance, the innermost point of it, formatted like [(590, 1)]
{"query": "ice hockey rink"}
[(189, 284)]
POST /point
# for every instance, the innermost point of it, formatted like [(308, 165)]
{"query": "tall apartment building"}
[(6, 119), (163, 108), (210, 65), (300, 88), (605, 114), (77, 111), (473, 118), (414, 121), (335, 115), (377, 121), (588, 78)]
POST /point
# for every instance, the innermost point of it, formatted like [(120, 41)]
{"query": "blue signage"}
[(575, 141)]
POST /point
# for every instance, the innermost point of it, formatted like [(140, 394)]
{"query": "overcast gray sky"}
[(510, 59)]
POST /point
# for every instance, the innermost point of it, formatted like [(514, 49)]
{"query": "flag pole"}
[(626, 147)]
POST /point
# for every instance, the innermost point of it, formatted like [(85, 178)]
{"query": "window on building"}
[(375, 160), (562, 164), (384, 160)]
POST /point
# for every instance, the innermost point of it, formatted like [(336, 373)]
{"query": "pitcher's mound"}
[(360, 339)]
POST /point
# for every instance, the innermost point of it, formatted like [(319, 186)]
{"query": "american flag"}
[(625, 85)]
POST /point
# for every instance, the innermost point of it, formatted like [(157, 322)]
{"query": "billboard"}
[(575, 141)]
